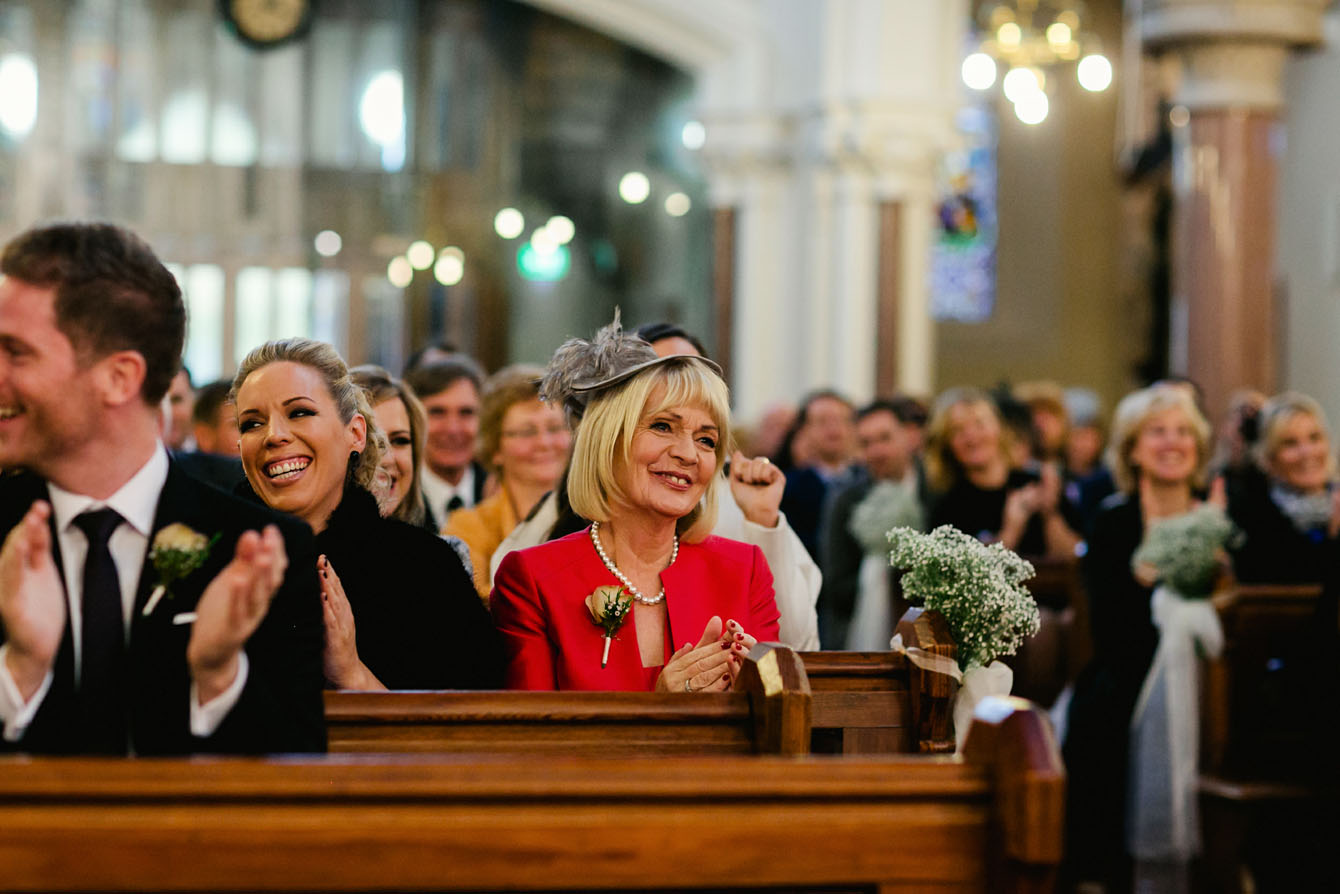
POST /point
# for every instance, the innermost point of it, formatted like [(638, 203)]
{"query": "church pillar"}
[(835, 118), (1226, 142)]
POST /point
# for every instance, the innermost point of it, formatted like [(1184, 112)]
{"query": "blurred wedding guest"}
[(94, 657), (1158, 453), (979, 491), (1236, 435), (1290, 514), (859, 604), (1017, 421), (1088, 481), (450, 477), (1050, 419), (401, 419), (177, 405), (652, 438), (667, 339), (433, 352), (767, 435), (524, 442), (752, 515), (214, 426), (400, 612), (214, 420), (825, 427), (1087, 436)]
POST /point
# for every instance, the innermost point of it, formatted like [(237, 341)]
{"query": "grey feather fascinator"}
[(581, 369)]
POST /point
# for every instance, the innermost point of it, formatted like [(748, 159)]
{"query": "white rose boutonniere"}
[(177, 551), (609, 608)]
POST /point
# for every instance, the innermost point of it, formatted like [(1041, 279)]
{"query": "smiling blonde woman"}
[(399, 609), (652, 437), (1289, 511)]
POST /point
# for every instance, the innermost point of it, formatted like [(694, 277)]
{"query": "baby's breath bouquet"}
[(977, 588), (1187, 550)]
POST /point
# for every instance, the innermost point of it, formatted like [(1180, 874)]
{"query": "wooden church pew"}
[(770, 715), (882, 702), (1268, 773), (988, 821)]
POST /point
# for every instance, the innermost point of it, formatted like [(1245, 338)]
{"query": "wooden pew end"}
[(1013, 738), (779, 696)]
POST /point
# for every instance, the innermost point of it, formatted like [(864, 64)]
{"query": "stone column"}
[(1232, 58), (836, 112)]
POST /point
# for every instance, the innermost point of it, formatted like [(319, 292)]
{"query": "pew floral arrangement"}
[(977, 588), (609, 607)]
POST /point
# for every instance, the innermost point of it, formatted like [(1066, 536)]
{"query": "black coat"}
[(280, 708), (980, 513), (1098, 730), (418, 621), (1273, 550)]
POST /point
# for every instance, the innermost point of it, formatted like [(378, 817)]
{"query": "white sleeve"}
[(205, 719), (796, 578), (15, 714)]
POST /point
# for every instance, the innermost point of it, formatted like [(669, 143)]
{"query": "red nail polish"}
[(725, 645), (740, 637)]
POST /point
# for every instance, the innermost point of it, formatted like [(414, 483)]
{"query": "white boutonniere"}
[(609, 608), (177, 551)]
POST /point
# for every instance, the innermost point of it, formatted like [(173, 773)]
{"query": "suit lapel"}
[(178, 503)]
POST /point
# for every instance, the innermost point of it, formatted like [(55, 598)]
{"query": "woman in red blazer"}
[(653, 434)]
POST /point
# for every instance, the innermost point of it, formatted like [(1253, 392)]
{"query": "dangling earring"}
[(351, 471)]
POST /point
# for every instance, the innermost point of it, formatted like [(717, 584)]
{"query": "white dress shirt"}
[(136, 502), (438, 491)]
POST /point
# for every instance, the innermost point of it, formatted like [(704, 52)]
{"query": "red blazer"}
[(539, 605)]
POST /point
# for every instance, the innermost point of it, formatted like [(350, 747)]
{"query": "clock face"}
[(264, 22)]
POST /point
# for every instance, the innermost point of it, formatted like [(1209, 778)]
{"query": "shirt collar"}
[(440, 490), (136, 501)]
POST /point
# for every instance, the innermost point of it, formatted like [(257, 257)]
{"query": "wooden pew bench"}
[(826, 702), (990, 820), (1268, 780), (883, 702), (1052, 658), (770, 715)]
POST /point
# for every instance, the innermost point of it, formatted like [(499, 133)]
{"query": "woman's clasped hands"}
[(710, 666)]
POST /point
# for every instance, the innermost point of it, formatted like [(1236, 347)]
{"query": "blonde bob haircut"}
[(604, 439), (1279, 410), (943, 470), (1131, 415)]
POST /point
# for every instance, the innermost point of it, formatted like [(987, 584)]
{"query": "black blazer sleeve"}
[(281, 707)]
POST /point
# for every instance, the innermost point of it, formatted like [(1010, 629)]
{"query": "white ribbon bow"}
[(1165, 730)]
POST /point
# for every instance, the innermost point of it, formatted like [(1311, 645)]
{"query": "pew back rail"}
[(468, 822)]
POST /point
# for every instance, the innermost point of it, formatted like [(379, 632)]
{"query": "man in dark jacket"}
[(141, 611)]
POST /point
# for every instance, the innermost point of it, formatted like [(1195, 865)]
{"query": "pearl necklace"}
[(623, 579)]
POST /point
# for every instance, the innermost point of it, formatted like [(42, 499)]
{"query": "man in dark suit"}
[(96, 655), (824, 434), (888, 436), (450, 478)]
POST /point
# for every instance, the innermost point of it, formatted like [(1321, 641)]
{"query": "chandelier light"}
[(1027, 38)]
